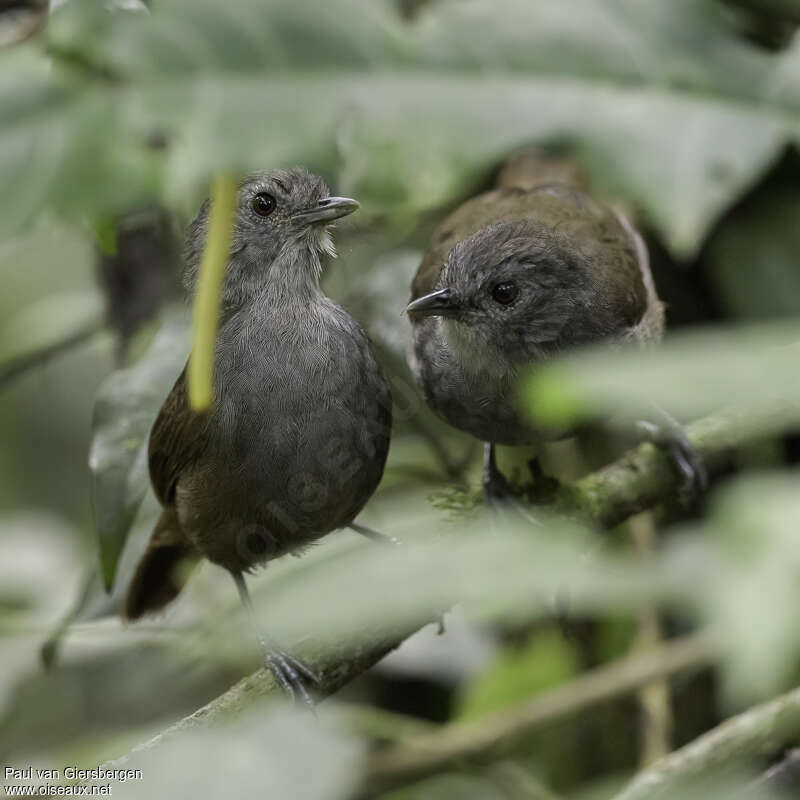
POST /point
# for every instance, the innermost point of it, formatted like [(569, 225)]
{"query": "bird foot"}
[(687, 462), (496, 488), (291, 675)]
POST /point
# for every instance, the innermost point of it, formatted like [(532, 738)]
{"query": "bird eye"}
[(263, 204), (505, 293)]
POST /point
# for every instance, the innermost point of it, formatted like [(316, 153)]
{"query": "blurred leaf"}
[(517, 674), (47, 322), (276, 752), (752, 368), (664, 104), (744, 569), (125, 408)]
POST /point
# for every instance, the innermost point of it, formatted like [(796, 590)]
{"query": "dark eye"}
[(263, 204), (505, 293)]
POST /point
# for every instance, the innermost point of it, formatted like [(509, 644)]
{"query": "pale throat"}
[(296, 271), (473, 353)]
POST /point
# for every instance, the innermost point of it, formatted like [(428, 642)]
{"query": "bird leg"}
[(289, 672), (495, 486), (375, 536), (688, 463)]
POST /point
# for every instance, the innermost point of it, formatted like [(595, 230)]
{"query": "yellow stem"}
[(209, 287)]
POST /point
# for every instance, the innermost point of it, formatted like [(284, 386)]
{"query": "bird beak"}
[(435, 304), (327, 210)]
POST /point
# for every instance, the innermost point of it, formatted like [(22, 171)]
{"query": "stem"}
[(654, 699), (428, 754), (758, 730), (200, 372)]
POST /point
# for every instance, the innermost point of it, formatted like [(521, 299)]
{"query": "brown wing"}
[(176, 440)]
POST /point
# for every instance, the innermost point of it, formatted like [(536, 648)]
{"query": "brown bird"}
[(514, 277)]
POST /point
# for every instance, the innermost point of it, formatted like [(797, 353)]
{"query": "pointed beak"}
[(327, 210), (435, 304)]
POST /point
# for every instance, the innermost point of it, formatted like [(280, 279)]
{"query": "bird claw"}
[(687, 462), (290, 673)]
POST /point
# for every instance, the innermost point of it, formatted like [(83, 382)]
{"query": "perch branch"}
[(336, 664), (428, 754), (637, 481), (644, 477), (17, 367), (758, 730)]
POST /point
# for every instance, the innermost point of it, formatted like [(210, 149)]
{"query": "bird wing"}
[(177, 440)]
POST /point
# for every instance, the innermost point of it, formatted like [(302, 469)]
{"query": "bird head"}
[(280, 231), (511, 286)]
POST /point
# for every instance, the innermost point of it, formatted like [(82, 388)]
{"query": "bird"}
[(297, 437), (512, 278)]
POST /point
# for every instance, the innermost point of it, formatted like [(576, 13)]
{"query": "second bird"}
[(513, 277)]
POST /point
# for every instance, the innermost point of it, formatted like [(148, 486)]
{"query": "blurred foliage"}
[(687, 112), (156, 100), (126, 405)]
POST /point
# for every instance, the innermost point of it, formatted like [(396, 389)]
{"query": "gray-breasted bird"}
[(297, 438), (513, 277)]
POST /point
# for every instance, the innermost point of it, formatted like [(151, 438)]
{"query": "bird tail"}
[(158, 579)]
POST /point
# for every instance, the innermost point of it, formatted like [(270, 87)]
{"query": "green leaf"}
[(752, 368), (663, 103), (517, 674), (125, 408), (743, 567)]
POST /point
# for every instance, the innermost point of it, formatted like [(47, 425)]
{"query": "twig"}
[(758, 730), (654, 698), (16, 367), (428, 754)]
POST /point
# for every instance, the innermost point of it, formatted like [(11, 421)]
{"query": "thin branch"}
[(654, 698), (17, 367), (758, 731), (644, 477), (336, 664), (482, 739)]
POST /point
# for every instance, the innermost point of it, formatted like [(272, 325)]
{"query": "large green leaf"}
[(125, 408), (663, 103), (749, 368)]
